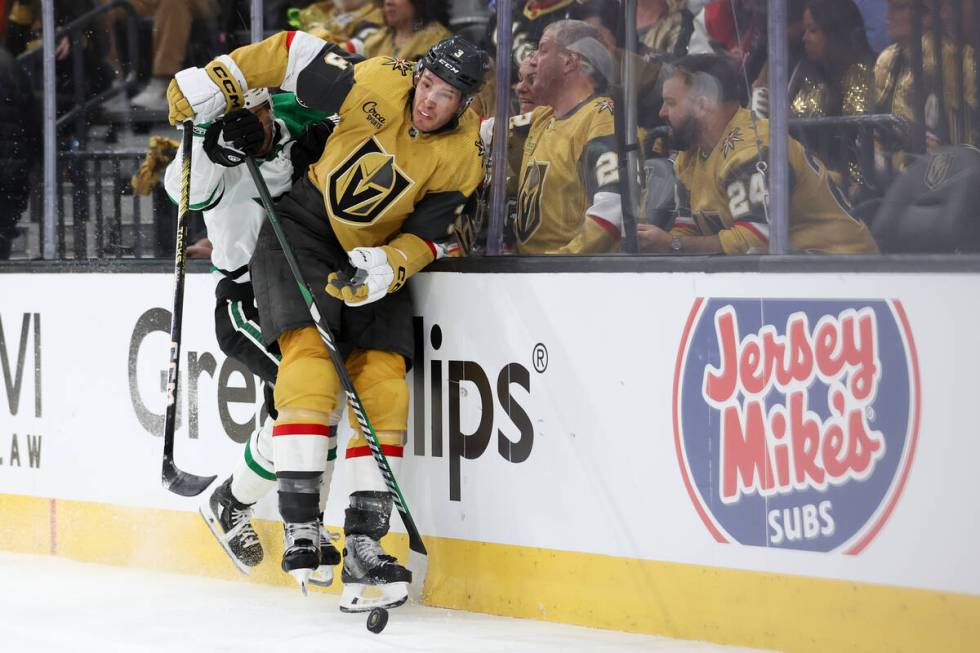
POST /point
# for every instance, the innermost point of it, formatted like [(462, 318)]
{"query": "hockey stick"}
[(418, 560), (179, 482)]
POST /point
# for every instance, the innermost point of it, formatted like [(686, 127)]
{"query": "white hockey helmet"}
[(256, 97)]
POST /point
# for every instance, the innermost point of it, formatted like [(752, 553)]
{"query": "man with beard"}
[(568, 195), (721, 186)]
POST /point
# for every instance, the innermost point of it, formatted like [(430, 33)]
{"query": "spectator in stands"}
[(24, 34), (794, 33), (171, 29), (568, 191), (411, 28), (834, 78), (947, 120), (664, 26), (957, 21), (348, 23), (836, 75), (524, 88), (529, 19), (737, 29), (20, 146), (721, 186)]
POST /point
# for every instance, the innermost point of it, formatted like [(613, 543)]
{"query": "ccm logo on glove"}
[(228, 85)]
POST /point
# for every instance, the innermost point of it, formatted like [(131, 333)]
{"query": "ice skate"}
[(230, 523), (372, 578), (329, 558), (301, 556)]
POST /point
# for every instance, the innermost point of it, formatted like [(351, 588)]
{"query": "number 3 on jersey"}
[(740, 200)]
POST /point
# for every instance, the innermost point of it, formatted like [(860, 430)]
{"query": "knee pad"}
[(307, 378), (379, 378)]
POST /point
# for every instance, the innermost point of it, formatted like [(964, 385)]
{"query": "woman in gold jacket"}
[(835, 77)]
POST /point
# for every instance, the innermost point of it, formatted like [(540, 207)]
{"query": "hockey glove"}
[(373, 278), (219, 149), (244, 131), (308, 147), (203, 94)]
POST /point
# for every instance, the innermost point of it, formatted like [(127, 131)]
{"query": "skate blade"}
[(361, 597), (301, 576), (212, 523), (322, 577)]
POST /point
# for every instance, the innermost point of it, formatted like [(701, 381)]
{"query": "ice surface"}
[(50, 604)]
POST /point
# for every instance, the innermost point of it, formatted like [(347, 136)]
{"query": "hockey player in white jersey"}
[(284, 138)]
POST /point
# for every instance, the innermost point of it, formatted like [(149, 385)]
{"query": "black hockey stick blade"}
[(184, 483)]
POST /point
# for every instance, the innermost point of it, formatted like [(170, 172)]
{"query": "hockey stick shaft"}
[(414, 538), (175, 480)]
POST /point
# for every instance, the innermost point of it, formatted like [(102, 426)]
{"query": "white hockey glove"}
[(204, 94), (372, 280)]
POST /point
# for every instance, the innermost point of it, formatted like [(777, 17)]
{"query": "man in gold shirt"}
[(382, 197), (721, 188), (568, 198)]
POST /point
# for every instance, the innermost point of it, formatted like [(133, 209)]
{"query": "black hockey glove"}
[(231, 138), (308, 147), (218, 149), (244, 131)]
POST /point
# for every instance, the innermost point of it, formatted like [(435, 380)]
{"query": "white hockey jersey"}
[(228, 197)]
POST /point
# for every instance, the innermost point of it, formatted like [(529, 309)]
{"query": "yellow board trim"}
[(747, 608)]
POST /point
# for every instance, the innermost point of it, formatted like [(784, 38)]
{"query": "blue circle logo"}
[(795, 420)]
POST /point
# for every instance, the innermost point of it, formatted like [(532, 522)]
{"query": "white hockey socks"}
[(255, 475)]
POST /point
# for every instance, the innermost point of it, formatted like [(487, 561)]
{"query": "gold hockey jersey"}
[(568, 189), (724, 193), (379, 176)]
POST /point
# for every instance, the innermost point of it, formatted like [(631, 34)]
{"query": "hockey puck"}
[(377, 620)]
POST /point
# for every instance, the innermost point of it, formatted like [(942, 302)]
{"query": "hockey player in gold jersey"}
[(400, 164), (721, 186), (568, 191)]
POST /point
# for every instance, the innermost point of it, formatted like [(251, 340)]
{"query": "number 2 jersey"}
[(724, 193), (568, 190), (383, 182)]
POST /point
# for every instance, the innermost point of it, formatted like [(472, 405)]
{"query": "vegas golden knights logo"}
[(529, 200), (363, 187)]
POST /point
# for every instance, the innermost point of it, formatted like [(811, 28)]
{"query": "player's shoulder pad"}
[(386, 70), (387, 80)]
